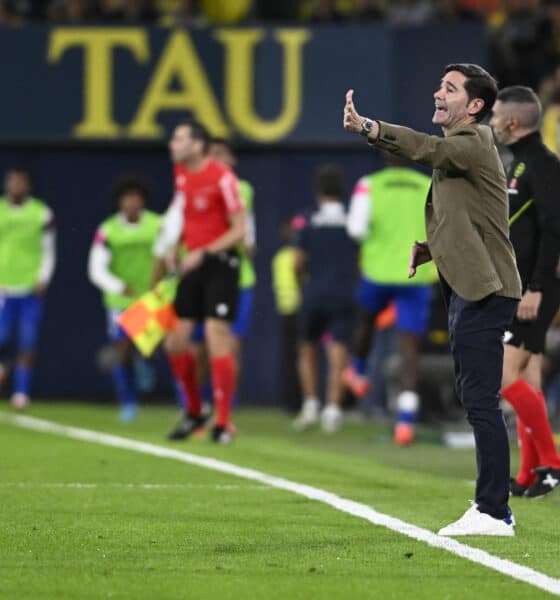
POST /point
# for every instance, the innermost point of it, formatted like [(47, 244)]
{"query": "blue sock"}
[(123, 379), (408, 403), (22, 380), (407, 416), (144, 375), (359, 364)]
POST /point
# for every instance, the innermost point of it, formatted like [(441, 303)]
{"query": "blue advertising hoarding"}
[(258, 86), (80, 106)]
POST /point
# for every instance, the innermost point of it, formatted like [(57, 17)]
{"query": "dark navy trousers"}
[(476, 331)]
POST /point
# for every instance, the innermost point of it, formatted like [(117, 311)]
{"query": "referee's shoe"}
[(188, 425), (547, 481)]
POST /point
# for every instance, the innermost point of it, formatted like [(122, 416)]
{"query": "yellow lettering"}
[(98, 46), (179, 62), (240, 81)]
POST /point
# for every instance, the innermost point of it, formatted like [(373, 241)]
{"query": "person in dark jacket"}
[(534, 209)]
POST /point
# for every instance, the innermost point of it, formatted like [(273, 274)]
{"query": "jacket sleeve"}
[(545, 180), (458, 152)]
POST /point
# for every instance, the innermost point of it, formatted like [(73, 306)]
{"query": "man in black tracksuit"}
[(534, 201)]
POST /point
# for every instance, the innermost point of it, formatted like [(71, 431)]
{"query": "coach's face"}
[(182, 146), (452, 105)]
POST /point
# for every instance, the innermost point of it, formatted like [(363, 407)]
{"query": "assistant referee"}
[(534, 208)]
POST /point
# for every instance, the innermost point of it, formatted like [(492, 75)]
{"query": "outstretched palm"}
[(352, 120)]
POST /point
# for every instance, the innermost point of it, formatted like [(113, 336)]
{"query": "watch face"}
[(367, 125)]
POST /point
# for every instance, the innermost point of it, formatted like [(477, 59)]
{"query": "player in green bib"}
[(27, 260), (387, 217), (121, 265)]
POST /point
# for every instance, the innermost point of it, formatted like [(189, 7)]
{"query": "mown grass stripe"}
[(476, 555)]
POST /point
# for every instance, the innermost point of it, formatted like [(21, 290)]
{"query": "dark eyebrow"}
[(453, 86)]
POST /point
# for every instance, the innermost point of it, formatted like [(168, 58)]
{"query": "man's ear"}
[(514, 122), (475, 106)]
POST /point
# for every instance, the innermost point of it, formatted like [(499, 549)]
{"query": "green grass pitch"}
[(81, 520)]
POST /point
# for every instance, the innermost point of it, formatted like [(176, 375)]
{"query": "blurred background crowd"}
[(512, 14), (523, 35)]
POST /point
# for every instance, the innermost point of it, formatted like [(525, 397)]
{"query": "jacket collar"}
[(526, 142), (471, 127)]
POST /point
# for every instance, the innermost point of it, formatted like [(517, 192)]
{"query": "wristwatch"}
[(367, 127)]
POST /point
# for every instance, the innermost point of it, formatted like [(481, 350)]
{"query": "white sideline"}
[(506, 567), (78, 485)]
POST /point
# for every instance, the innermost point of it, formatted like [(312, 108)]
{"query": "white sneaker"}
[(474, 522), (331, 418), (309, 414), (20, 401)]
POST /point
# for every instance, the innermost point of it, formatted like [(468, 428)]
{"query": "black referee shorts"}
[(210, 290), (531, 335)]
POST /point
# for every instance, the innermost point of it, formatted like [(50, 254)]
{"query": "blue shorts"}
[(23, 313), (240, 326), (114, 331), (412, 303)]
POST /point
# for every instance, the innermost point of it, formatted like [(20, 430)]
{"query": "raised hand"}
[(352, 120)]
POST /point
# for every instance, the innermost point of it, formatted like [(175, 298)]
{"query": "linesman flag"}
[(148, 320)]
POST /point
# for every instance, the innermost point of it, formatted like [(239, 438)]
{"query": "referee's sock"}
[(223, 383), (530, 407), (184, 370), (528, 457)]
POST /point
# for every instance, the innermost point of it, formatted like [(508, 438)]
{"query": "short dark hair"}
[(479, 84), (286, 233), (17, 170), (198, 132), (329, 180), (521, 94), (131, 184)]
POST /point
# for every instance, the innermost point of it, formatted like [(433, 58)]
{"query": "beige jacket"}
[(466, 208)]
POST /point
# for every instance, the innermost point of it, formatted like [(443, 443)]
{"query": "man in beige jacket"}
[(468, 238)]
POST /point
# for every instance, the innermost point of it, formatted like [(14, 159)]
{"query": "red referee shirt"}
[(209, 195)]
